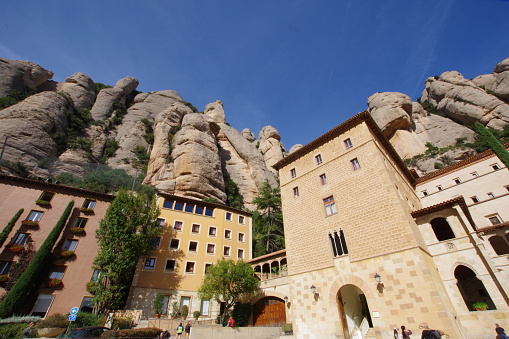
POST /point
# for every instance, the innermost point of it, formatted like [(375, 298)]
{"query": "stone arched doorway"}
[(269, 311), (472, 288), (354, 312)]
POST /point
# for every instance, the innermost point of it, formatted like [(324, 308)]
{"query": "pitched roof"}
[(444, 205)]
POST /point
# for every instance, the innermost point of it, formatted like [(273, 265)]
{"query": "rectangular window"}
[(4, 267), (241, 237), (87, 305), (204, 309), (70, 245), (457, 181), (174, 244), (157, 241), (227, 234), (330, 205), (96, 275), (293, 173), (46, 196), (198, 210), (496, 167), (474, 199), (491, 195), (90, 204), (424, 193), (57, 272), (195, 229), (295, 192), (21, 238), (226, 251), (193, 246), (80, 222), (323, 179), (207, 268), (160, 222), (212, 231), (190, 267), (240, 253), (439, 187), (211, 248), (495, 220), (209, 211), (42, 305), (318, 159), (348, 143), (34, 215), (189, 208), (150, 263), (242, 220), (228, 216), (179, 206), (474, 174), (170, 265), (355, 164), (168, 204), (178, 225)]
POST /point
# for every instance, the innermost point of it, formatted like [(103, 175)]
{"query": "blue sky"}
[(300, 66)]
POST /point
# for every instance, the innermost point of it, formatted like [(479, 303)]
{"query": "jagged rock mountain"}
[(197, 154)]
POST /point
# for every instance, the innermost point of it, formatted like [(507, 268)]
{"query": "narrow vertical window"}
[(491, 195), (318, 159), (424, 193), (474, 199), (457, 181), (293, 173), (496, 167), (355, 164), (295, 192), (348, 143), (323, 179)]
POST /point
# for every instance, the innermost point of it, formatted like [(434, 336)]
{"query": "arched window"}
[(499, 244), (442, 229), (338, 243), (472, 289)]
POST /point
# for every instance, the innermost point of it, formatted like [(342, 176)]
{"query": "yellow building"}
[(195, 235)]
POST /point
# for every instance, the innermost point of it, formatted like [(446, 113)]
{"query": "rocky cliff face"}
[(195, 154)]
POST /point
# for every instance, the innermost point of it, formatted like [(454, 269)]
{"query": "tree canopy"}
[(228, 281), (126, 233), (268, 233)]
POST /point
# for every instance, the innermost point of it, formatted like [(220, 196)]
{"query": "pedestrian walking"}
[(500, 332), (164, 334), (188, 329), (405, 334), (180, 329)]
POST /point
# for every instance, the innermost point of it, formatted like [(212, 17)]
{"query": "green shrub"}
[(438, 165), (157, 306), (20, 319), (185, 311), (287, 328), (12, 331), (54, 320), (196, 314), (14, 97), (99, 86), (87, 319), (122, 323), (7, 230), (110, 147), (190, 105), (241, 313), (149, 332)]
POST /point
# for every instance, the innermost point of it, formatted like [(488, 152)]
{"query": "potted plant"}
[(16, 248), (174, 310), (30, 223), (52, 326), (77, 230), (54, 282), (287, 329), (480, 306), (66, 253), (196, 315), (185, 312), (42, 202), (157, 306), (86, 210)]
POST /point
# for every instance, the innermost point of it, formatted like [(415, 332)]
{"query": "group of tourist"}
[(437, 334)]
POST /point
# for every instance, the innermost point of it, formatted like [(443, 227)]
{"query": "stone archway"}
[(353, 311)]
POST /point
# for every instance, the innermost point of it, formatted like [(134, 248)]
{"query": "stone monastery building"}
[(371, 247)]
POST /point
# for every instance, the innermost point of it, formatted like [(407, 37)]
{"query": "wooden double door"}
[(269, 311)]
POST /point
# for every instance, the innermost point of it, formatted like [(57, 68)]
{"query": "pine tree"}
[(268, 235), (493, 143)]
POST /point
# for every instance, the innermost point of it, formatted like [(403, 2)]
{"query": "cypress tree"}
[(30, 279), (493, 143), (8, 228)]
